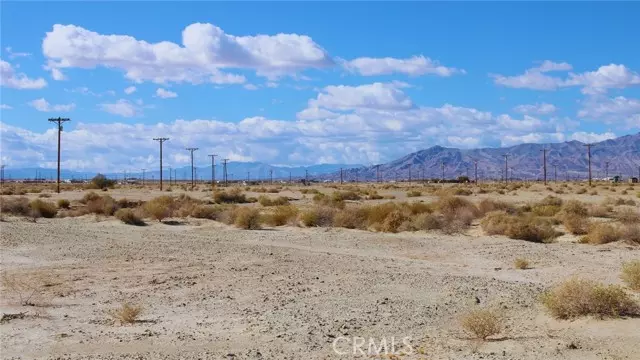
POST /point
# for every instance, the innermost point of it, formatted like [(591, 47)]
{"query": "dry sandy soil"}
[(210, 291)]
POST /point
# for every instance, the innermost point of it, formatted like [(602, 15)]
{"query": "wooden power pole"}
[(59, 121), (161, 140)]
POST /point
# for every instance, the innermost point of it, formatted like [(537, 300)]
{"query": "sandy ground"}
[(210, 291)]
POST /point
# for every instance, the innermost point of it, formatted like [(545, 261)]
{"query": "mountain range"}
[(567, 160)]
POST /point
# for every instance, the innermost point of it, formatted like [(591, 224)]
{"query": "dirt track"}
[(212, 291)]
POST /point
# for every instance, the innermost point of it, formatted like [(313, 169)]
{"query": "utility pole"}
[(306, 177), (161, 140), (409, 174), (59, 121), (357, 175), (143, 173), (475, 166), (544, 164), (170, 173), (271, 176), (248, 177), (378, 173), (340, 176), (224, 171), (290, 182), (442, 167), (506, 168), (555, 172), (2, 174), (606, 169), (213, 169), (191, 150), (589, 159)]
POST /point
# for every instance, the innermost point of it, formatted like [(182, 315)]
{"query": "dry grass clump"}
[(601, 233), (413, 193), (129, 217), (247, 218), (15, 206), (281, 215), (631, 274), (267, 201), (578, 297), (628, 216), (549, 206), (127, 313), (576, 224), (618, 201), (159, 208), (600, 210), (352, 218), (233, 196), (345, 195), (211, 212), (521, 263), (481, 323), (427, 221), (29, 288), (64, 204), (317, 216), (332, 201), (488, 205), (43, 208), (631, 233), (102, 205), (453, 191), (522, 227)]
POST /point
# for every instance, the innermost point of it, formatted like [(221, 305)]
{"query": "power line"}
[(161, 140), (192, 170), (506, 168), (59, 121), (224, 171), (589, 159)]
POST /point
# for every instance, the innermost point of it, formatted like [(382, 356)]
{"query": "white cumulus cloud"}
[(43, 105), (414, 66), (540, 109), (11, 79), (130, 90), (205, 50), (381, 96), (165, 94), (123, 108)]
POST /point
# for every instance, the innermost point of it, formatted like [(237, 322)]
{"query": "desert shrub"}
[(44, 195), (545, 210), (377, 214), (575, 224), (521, 227), (426, 221), (631, 274), (345, 195), (126, 203), (317, 216), (578, 297), (90, 196), (332, 201), (420, 208), (393, 221), (183, 205), (102, 205), (64, 204), (43, 208), (618, 201), (521, 263), (281, 215), (247, 218), (600, 211), (601, 233), (233, 196), (449, 206), (129, 217), (15, 206), (351, 218), (628, 216), (631, 232), (481, 323), (267, 201), (574, 207), (101, 182), (581, 191), (413, 193), (29, 288), (211, 212), (127, 313), (488, 205), (159, 208)]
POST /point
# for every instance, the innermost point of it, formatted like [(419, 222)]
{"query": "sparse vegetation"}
[(45, 209), (247, 218), (64, 204), (521, 263), (127, 313), (129, 217), (101, 182), (631, 274), (601, 233), (522, 227), (578, 297), (233, 196), (481, 323), (267, 201)]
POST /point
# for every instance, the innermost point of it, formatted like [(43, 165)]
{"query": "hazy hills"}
[(524, 161)]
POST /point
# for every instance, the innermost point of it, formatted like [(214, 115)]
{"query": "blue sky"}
[(307, 83)]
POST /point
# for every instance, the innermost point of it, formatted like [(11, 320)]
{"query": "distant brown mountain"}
[(567, 160)]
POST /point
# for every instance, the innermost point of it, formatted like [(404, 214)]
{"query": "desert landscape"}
[(328, 271)]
